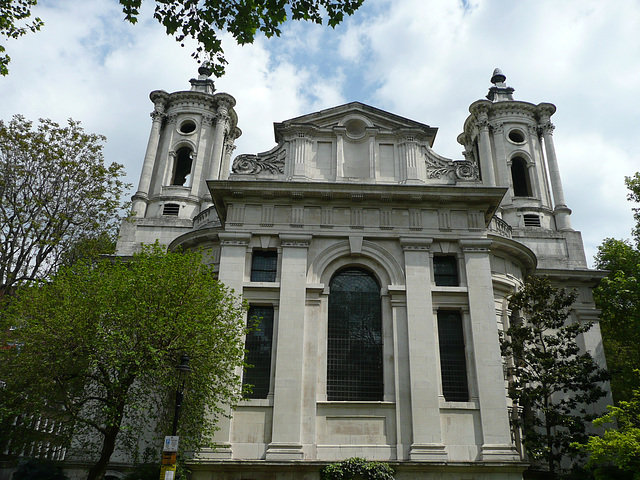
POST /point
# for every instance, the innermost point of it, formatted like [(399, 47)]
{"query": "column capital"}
[(234, 239), (546, 128), (475, 245), (416, 244), (157, 116), (296, 241)]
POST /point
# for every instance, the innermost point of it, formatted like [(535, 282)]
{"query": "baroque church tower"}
[(191, 141)]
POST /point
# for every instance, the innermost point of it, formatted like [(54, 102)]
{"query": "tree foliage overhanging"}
[(59, 200), (96, 348), (204, 22), (552, 380), (13, 15)]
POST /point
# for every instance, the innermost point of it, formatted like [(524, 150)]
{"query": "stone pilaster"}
[(410, 167), (496, 433), (300, 152), (286, 439), (425, 410), (233, 251)]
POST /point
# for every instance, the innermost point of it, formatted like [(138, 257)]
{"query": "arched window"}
[(354, 347), (182, 170), (520, 178)]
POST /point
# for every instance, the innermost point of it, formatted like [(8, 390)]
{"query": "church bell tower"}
[(191, 141), (512, 143)]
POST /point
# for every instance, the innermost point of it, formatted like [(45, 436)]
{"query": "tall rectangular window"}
[(453, 363), (258, 351), (264, 264), (445, 271)]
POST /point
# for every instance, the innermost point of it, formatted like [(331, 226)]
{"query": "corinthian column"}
[(484, 146), (561, 211), (139, 206), (222, 127)]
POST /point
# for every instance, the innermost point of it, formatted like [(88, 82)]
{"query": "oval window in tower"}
[(187, 127), (516, 136)]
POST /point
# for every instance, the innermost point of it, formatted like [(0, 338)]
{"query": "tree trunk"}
[(108, 446)]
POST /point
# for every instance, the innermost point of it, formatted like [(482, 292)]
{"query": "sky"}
[(424, 60)]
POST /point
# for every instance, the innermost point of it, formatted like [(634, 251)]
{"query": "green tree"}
[(552, 380), (59, 201), (96, 349), (203, 21), (618, 296), (620, 444)]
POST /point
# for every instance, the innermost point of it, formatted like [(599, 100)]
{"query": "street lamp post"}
[(183, 371), (170, 450)]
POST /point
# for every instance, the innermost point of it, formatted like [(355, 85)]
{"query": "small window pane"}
[(258, 351), (445, 271), (453, 363), (264, 265)]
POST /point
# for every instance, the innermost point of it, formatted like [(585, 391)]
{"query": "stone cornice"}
[(483, 198)]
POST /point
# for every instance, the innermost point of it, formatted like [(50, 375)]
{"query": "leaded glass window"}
[(354, 349), (453, 363), (258, 351), (445, 271), (264, 264)]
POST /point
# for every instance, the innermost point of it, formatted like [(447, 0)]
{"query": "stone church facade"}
[(379, 270)]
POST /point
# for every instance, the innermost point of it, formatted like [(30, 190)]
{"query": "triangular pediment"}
[(371, 117)]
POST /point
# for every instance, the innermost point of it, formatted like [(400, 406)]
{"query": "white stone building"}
[(380, 270)]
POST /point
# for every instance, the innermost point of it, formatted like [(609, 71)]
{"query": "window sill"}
[(473, 404), (449, 289), (261, 284), (256, 402), (356, 403)]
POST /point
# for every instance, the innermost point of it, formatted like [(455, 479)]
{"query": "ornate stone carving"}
[(208, 120), (465, 169), (458, 169), (498, 127), (271, 162), (157, 115), (546, 128)]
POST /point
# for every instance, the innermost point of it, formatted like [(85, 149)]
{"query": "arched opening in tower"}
[(182, 170), (520, 178)]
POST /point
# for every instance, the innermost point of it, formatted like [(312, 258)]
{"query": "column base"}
[(562, 214), (499, 453), (428, 452), (284, 451)]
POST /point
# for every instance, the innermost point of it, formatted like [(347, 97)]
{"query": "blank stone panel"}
[(386, 169), (356, 160), (459, 219), (323, 161), (400, 217)]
